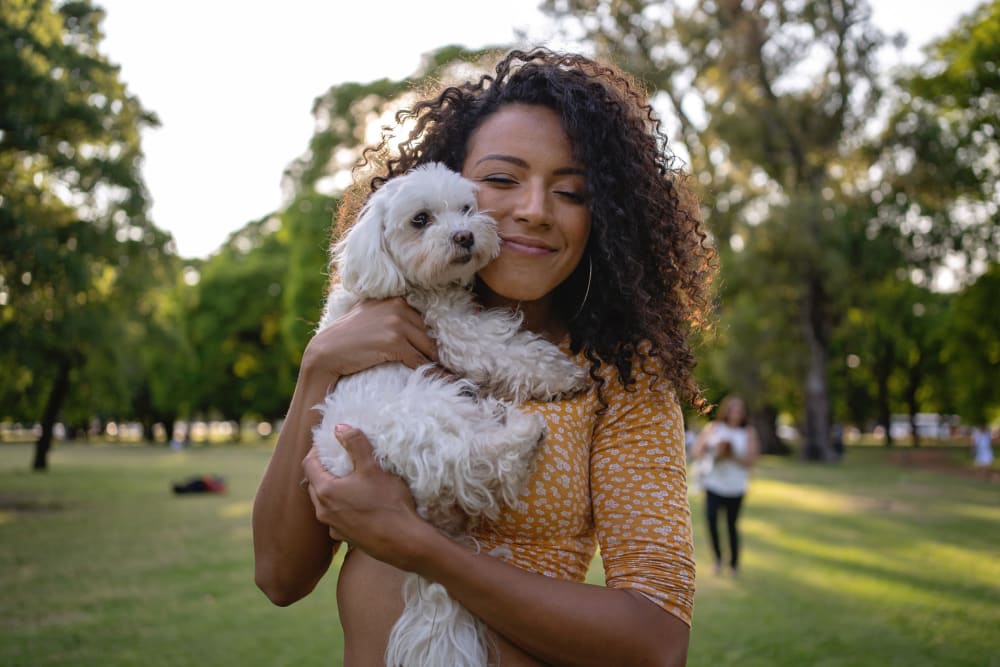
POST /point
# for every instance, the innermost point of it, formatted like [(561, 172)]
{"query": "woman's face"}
[(736, 413), (529, 182)]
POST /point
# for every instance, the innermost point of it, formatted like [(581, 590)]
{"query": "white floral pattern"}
[(618, 479)]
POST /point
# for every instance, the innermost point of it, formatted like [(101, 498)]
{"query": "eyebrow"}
[(513, 159)]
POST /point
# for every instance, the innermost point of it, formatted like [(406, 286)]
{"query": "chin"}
[(516, 283), (512, 290)]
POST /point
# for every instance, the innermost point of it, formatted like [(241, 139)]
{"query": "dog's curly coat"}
[(461, 446)]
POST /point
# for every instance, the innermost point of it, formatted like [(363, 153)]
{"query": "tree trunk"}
[(763, 420), (60, 389), (911, 401), (882, 367), (147, 430), (168, 426), (816, 442)]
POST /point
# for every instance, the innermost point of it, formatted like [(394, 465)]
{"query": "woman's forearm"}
[(558, 622), (292, 550)]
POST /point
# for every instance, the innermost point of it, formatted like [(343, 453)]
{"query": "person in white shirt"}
[(982, 449), (724, 452)]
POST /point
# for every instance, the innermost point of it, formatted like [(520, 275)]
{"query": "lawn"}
[(866, 562)]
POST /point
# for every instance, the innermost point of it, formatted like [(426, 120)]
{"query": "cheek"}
[(579, 232), (488, 202)]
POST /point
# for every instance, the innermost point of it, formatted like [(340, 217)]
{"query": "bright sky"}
[(233, 83)]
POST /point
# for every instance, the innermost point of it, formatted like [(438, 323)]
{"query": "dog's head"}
[(421, 229)]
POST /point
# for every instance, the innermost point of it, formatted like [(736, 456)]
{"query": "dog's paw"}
[(526, 432), (559, 378)]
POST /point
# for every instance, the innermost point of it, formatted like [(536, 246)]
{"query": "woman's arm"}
[(292, 550), (701, 442), (556, 621)]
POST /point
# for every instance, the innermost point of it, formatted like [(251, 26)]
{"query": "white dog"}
[(462, 447)]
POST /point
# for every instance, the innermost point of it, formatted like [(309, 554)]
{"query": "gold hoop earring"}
[(590, 274)]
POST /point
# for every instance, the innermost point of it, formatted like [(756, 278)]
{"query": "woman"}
[(726, 449), (603, 254), (982, 448)]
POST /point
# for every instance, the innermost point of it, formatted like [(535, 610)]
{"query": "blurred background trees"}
[(79, 252), (854, 209)]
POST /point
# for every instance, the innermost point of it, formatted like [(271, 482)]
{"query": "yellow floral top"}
[(617, 479)]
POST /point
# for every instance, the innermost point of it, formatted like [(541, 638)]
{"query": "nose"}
[(532, 204), (463, 239)]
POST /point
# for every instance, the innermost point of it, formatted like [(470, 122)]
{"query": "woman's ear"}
[(364, 265)]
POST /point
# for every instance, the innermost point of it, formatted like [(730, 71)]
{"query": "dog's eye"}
[(466, 208), (420, 220)]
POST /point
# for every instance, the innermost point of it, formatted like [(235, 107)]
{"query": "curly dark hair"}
[(650, 261)]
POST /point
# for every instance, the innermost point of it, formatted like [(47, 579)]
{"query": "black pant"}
[(713, 502)]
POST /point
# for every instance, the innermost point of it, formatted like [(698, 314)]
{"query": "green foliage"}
[(889, 353), (79, 249), (939, 151), (971, 349), (306, 230), (235, 327)]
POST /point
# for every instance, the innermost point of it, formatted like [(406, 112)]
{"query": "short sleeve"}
[(638, 476)]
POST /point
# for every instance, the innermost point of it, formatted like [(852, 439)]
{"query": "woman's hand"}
[(370, 333), (369, 508)]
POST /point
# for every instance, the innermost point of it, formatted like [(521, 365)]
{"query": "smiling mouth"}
[(525, 247)]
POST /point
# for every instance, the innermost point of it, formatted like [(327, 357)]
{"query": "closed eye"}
[(577, 197), (499, 180)]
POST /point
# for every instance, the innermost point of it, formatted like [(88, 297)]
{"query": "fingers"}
[(354, 442), (385, 330), (357, 445), (424, 346), (414, 345), (314, 470)]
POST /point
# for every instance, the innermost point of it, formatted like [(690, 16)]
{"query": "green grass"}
[(859, 563)]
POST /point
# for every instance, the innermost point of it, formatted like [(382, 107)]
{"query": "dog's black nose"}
[(463, 239)]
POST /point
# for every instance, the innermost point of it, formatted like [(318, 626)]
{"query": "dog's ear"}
[(365, 268)]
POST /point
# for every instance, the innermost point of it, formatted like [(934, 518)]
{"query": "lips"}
[(526, 245)]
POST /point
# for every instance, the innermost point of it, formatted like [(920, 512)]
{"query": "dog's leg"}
[(501, 457)]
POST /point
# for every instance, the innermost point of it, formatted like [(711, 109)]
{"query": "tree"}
[(937, 164), (891, 341), (971, 349), (765, 134), (77, 241), (306, 232), (235, 327)]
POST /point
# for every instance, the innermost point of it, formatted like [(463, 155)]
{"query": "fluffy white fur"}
[(463, 448)]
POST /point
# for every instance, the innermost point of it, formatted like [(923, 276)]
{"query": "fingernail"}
[(340, 429)]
